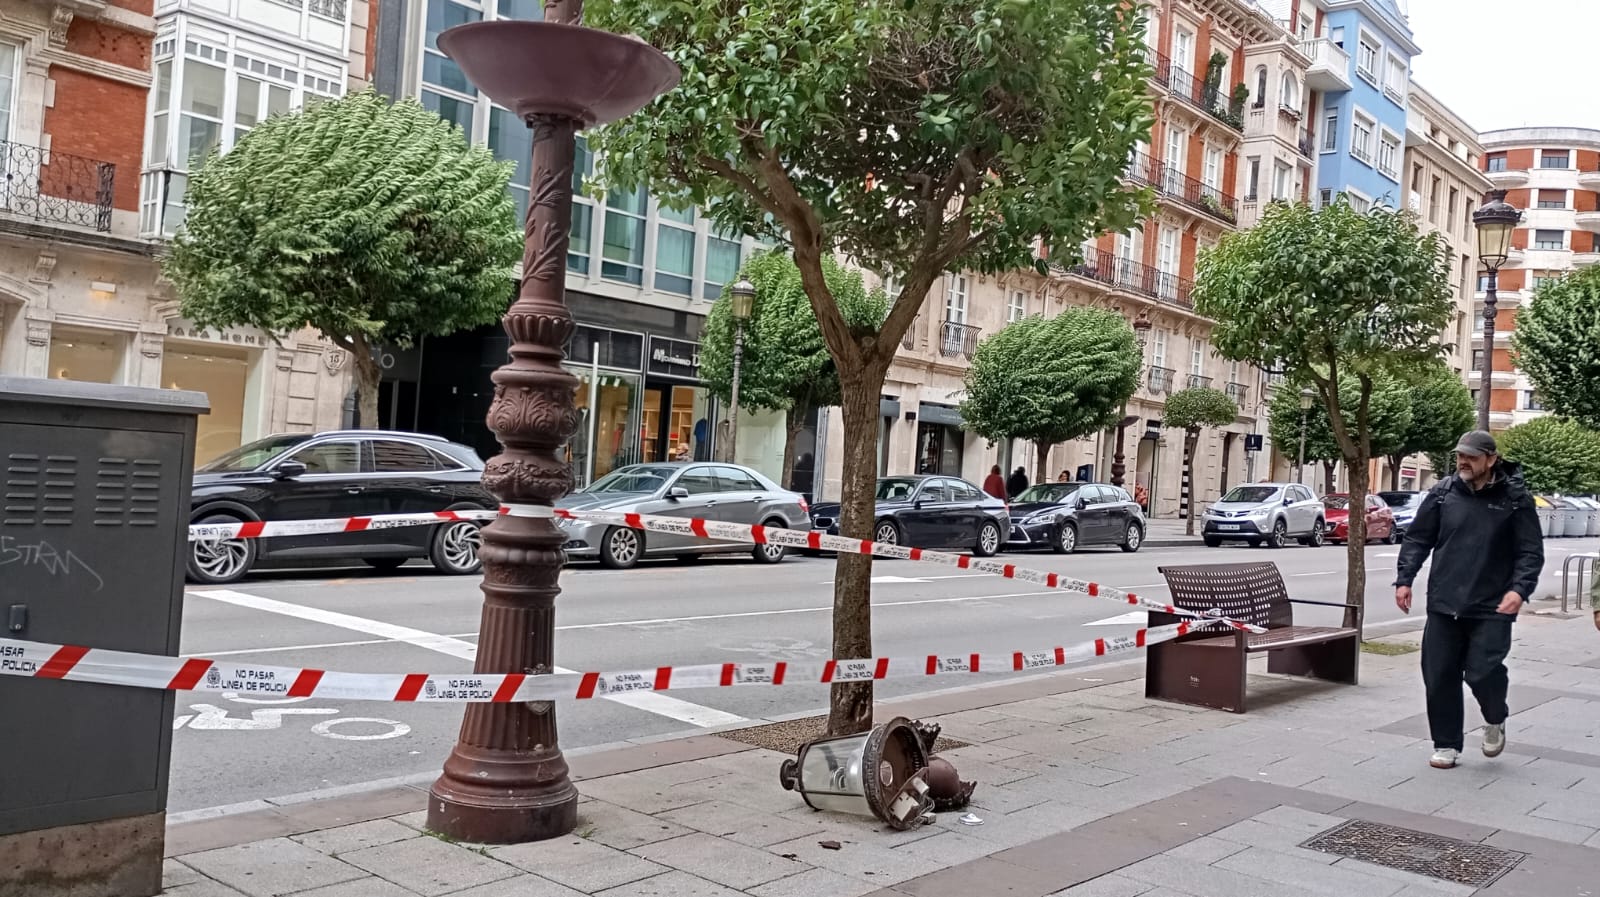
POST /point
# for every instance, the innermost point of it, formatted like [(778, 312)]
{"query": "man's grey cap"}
[(1477, 442)]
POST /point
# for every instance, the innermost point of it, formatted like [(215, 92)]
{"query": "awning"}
[(889, 408), (940, 414)]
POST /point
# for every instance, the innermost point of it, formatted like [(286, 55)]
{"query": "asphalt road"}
[(234, 749)]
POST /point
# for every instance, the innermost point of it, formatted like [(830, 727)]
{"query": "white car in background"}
[(1266, 513)]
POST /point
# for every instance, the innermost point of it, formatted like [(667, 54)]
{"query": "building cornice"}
[(98, 68), (46, 233)]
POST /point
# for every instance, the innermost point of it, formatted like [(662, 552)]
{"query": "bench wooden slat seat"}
[(1209, 668)]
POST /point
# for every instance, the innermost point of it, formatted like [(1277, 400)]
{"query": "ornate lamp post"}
[(744, 303), (1495, 222), (1305, 406), (506, 780), (1141, 332)]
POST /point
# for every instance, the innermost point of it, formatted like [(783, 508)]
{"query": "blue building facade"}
[(1362, 116)]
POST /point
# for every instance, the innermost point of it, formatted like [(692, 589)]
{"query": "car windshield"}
[(639, 478), (253, 454), (897, 488), (1401, 499), (1053, 493), (1251, 494), (1337, 502)]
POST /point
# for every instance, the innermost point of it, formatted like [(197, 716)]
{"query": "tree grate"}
[(1447, 859)]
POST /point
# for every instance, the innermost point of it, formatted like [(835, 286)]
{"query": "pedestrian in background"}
[(1482, 529), (1018, 483), (995, 484)]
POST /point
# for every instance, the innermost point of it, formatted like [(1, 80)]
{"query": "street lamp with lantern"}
[(743, 305), (1495, 223), (1306, 395), (1119, 466)]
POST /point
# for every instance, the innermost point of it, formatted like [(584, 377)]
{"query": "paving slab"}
[(271, 868), (606, 823), (430, 866), (740, 824), (579, 864), (716, 859), (670, 884), (350, 838)]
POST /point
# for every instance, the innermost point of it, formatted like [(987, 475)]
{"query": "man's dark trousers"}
[(1457, 648)]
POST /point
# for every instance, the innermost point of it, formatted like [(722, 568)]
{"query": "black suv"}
[(341, 473)]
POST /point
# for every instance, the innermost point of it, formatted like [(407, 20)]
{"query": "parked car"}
[(723, 492), (1067, 516), (1403, 505), (930, 512), (340, 473), (1265, 513), (1380, 520)]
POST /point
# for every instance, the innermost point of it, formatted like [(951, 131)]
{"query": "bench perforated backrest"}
[(1249, 593)]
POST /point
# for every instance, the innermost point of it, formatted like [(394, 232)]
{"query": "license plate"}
[(1228, 527)]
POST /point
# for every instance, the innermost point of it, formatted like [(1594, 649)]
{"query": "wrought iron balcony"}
[(57, 187), (1196, 92), (1161, 379), (1308, 143), (1237, 392), (957, 339), (1126, 274), (1196, 381), (1148, 171), (909, 341)]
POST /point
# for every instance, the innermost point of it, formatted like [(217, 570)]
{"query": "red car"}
[(1380, 520)]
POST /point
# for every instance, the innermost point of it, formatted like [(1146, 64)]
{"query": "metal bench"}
[(1208, 668)]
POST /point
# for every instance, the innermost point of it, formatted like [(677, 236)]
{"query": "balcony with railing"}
[(1161, 380), (1329, 71), (1237, 392), (1307, 143), (957, 339), (1135, 277), (1148, 171), (1178, 82), (909, 341), (55, 187), (1199, 381)]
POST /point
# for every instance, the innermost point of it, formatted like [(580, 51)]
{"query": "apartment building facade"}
[(1553, 175), (1361, 69)]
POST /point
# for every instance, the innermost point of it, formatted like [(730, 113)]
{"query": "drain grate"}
[(1462, 862)]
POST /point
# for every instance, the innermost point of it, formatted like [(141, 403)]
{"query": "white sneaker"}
[(1444, 758), (1494, 739)]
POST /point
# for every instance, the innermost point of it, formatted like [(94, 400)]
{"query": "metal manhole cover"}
[(1462, 862)]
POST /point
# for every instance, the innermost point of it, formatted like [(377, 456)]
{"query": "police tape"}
[(73, 663), (708, 529)]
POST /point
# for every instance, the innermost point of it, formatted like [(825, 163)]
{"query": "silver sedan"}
[(727, 493)]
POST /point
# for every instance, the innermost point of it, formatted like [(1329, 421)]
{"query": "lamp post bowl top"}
[(545, 68)]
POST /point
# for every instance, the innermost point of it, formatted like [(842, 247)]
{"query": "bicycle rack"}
[(1584, 560)]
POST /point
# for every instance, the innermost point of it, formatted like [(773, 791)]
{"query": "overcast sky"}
[(1510, 63)]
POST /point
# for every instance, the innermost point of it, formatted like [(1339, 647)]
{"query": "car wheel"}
[(988, 540), (455, 548), (384, 563), (1133, 538), (1280, 534), (1395, 537), (1065, 540), (769, 553), (1212, 541), (887, 532), (219, 561), (1315, 539), (621, 547)]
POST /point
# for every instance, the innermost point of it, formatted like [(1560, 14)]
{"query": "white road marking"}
[(213, 718), (396, 728), (650, 702), (1131, 618)]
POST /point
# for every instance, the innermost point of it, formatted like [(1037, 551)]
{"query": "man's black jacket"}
[(1484, 544)]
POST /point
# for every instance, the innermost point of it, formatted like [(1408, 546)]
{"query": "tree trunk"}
[(1394, 472), (850, 703), (367, 374), (1042, 463), (794, 422), (1327, 477), (1355, 590), (1191, 440)]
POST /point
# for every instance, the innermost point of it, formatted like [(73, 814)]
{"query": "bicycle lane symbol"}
[(211, 718)]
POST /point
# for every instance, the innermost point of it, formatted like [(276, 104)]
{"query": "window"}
[(1433, 200), (1552, 199), (1549, 239), (1532, 402), (1289, 95), (1324, 197), (8, 87), (1361, 132), (159, 116), (1330, 131), (1553, 158), (1395, 79), (1211, 170), (1495, 162), (1172, 171), (331, 457), (698, 481), (1450, 208), (526, 10), (1477, 360), (732, 479), (1389, 155), (1252, 187), (722, 265), (453, 97), (580, 247), (1158, 349), (1540, 278), (622, 254), (1281, 174), (1183, 49), (200, 110), (512, 141), (1197, 357), (389, 456), (1358, 202), (675, 251), (1017, 307), (1261, 88), (1167, 251), (955, 299), (1367, 59)]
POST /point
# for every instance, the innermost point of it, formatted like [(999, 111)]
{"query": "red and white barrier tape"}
[(708, 529), (78, 664)]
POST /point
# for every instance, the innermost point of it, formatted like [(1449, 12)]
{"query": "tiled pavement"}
[(1087, 789)]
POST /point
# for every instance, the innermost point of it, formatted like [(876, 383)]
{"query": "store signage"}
[(1253, 442), (181, 329), (674, 358)]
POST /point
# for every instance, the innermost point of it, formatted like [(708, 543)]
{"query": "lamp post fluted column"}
[(1495, 221), (1119, 465), (506, 780)]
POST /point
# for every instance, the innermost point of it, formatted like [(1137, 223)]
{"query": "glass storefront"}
[(92, 356), (606, 414), (224, 375), (939, 449), (676, 424)]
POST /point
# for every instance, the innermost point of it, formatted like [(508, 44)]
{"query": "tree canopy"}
[(1389, 419), (916, 139), (1048, 380), (1329, 295), (367, 221), (786, 366), (1441, 410), (1557, 342), (1557, 455), (1198, 408)]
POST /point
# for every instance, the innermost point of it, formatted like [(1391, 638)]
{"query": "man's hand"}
[(1402, 599), (1510, 604)]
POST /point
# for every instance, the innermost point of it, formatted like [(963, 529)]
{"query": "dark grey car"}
[(728, 493)]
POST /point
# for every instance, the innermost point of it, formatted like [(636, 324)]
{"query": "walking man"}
[(1482, 529)]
